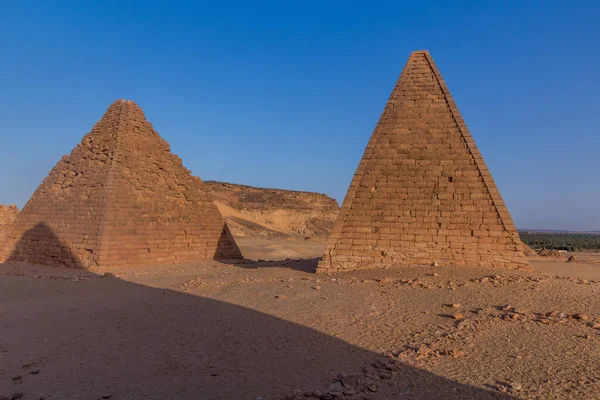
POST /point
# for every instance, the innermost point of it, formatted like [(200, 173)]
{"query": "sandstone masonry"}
[(422, 193), (8, 215), (121, 198)]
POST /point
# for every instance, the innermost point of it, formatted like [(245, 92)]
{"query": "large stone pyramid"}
[(120, 199), (422, 193)]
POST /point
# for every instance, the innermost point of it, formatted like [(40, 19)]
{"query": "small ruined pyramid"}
[(422, 193), (121, 198)]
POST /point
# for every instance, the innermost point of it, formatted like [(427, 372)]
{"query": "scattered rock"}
[(594, 325), (373, 388), (336, 387), (515, 386), (550, 253), (423, 351), (17, 378), (581, 317), (510, 316), (316, 287), (458, 316), (456, 353), (280, 296)]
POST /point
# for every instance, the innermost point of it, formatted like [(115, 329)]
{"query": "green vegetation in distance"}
[(561, 241)]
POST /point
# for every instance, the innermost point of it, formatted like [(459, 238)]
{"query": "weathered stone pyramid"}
[(120, 199), (422, 193)]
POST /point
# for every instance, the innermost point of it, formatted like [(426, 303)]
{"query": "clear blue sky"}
[(286, 94)]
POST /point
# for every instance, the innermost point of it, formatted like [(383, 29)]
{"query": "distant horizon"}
[(558, 231), (286, 96)]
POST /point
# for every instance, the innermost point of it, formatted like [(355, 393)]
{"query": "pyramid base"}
[(94, 268), (101, 269), (352, 263)]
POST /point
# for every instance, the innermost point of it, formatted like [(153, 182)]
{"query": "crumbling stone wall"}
[(8, 215), (120, 199), (422, 193)]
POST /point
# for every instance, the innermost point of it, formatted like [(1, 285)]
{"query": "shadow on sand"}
[(227, 250), (308, 265), (41, 245), (74, 335)]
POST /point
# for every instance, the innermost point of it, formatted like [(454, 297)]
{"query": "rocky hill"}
[(251, 211)]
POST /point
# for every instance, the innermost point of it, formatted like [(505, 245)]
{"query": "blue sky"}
[(286, 94)]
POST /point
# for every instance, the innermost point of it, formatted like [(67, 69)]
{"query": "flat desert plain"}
[(276, 330)]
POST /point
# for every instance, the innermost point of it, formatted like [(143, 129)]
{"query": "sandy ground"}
[(270, 249), (588, 266), (275, 330)]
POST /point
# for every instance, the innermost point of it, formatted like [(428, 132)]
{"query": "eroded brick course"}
[(422, 193), (121, 198), (8, 215)]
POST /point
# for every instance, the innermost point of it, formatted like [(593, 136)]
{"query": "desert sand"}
[(276, 330)]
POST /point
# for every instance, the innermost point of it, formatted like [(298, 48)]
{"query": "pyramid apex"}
[(416, 52), (121, 101), (118, 104)]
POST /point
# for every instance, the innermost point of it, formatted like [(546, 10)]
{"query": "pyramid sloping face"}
[(120, 199), (422, 193)]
